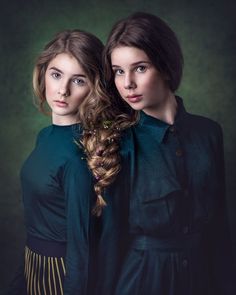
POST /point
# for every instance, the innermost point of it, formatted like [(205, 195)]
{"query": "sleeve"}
[(113, 242), (219, 241), (79, 193), (17, 284)]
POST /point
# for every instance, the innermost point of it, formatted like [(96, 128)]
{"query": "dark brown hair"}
[(152, 35)]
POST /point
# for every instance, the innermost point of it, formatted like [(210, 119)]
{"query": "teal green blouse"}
[(58, 194), (165, 229)]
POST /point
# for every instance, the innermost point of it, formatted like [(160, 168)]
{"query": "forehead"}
[(125, 55), (66, 62)]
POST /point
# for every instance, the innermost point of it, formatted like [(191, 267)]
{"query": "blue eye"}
[(141, 69), (79, 81), (56, 75)]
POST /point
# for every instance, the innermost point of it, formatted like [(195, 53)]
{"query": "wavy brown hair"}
[(83, 46), (103, 121), (99, 114)]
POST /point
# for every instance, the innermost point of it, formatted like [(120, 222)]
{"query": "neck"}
[(166, 109), (64, 120)]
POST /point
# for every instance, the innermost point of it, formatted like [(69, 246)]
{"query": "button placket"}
[(186, 192), (185, 229), (185, 262), (179, 152), (172, 129)]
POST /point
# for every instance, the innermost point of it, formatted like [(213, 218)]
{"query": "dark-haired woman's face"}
[(139, 83)]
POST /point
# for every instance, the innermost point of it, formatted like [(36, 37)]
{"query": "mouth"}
[(60, 103), (134, 98)]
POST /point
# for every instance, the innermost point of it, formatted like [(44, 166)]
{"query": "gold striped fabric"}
[(44, 275)]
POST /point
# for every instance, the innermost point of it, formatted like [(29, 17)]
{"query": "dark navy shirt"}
[(174, 237)]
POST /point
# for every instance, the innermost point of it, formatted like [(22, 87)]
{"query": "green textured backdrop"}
[(206, 30)]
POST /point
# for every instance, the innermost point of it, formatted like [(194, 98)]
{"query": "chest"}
[(187, 159), (42, 174), (173, 182)]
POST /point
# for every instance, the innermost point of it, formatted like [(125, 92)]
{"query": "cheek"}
[(80, 95), (157, 82), (49, 88), (148, 83), (119, 84)]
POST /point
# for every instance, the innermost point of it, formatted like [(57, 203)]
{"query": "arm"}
[(220, 249), (79, 192), (18, 283)]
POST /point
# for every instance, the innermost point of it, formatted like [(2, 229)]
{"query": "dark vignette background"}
[(207, 32)]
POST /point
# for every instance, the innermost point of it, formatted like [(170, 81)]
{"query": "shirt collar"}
[(160, 128), (156, 127), (181, 111)]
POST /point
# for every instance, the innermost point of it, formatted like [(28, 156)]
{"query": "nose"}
[(64, 90), (129, 81)]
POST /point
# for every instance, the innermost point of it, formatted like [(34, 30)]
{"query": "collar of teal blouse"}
[(75, 130), (159, 127)]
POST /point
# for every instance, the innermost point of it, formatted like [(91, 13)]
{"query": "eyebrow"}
[(77, 75), (135, 63)]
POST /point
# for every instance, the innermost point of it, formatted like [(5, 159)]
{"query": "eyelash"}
[(77, 81), (144, 68), (56, 75), (139, 69), (116, 72)]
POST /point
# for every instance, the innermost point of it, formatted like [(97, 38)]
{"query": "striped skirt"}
[(44, 267)]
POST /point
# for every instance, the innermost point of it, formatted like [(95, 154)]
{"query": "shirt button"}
[(186, 192), (179, 152), (172, 129), (185, 263), (185, 229)]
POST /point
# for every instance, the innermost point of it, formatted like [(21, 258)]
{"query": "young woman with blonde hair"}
[(57, 186)]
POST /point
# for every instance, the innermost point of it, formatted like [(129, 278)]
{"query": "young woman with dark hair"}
[(178, 235)]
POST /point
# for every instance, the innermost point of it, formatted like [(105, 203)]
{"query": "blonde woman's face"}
[(66, 87)]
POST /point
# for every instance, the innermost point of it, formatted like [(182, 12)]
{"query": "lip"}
[(60, 103), (134, 97)]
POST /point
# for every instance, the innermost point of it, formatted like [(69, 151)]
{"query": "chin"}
[(61, 114), (136, 108)]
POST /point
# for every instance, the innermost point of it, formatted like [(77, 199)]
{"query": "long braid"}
[(103, 160), (102, 150)]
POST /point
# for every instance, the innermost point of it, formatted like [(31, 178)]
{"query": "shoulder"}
[(126, 140), (203, 124), (76, 171), (125, 134), (43, 133), (195, 122), (62, 142), (204, 131)]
